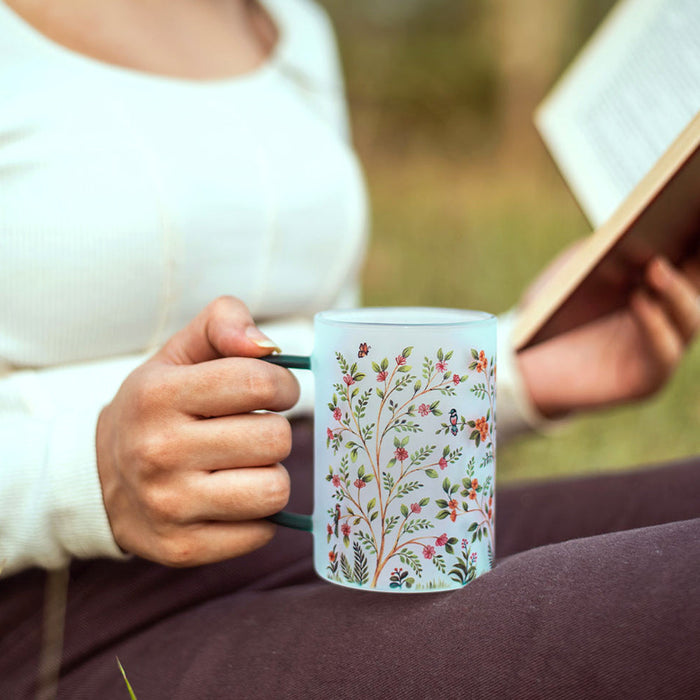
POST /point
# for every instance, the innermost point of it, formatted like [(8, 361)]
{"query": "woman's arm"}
[(622, 357), (179, 422)]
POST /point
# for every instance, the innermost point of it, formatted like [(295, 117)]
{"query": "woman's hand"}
[(187, 470), (624, 356)]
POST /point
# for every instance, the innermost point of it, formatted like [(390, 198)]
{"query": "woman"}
[(208, 155)]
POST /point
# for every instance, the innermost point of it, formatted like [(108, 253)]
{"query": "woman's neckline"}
[(51, 46)]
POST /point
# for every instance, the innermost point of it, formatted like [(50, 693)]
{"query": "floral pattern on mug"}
[(377, 436)]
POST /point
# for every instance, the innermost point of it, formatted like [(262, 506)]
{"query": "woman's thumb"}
[(223, 328)]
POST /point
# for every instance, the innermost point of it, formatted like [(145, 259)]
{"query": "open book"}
[(623, 125)]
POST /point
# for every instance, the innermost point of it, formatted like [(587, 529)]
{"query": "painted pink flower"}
[(400, 360), (348, 379), (455, 378), (337, 414), (330, 434), (424, 409), (381, 377), (335, 480), (401, 454), (345, 529), (415, 508), (428, 551), (442, 540), (330, 529), (359, 483), (441, 367), (443, 463)]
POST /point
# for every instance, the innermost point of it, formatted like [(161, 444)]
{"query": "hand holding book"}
[(620, 357)]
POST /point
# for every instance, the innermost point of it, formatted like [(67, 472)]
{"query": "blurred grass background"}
[(467, 205)]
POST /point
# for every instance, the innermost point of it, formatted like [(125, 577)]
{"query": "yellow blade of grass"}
[(126, 680)]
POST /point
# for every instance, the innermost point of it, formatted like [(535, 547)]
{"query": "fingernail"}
[(661, 271), (261, 340)]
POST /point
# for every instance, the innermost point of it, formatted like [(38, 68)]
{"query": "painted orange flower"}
[(331, 556), (453, 504), (472, 494), (481, 424), (453, 515)]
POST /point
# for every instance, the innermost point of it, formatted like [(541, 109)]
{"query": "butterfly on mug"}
[(364, 350), (453, 421)]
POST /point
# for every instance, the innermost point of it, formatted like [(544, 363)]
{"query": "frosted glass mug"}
[(404, 447)]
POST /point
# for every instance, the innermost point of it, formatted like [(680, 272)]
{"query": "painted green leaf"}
[(406, 352), (431, 473), (404, 510), (345, 568), (423, 502)]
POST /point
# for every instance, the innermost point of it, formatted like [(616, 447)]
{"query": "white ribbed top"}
[(128, 201)]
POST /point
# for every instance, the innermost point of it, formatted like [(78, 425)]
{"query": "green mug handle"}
[(297, 521)]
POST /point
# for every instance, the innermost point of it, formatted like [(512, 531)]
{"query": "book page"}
[(624, 100)]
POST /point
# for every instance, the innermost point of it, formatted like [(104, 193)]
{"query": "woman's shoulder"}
[(309, 41)]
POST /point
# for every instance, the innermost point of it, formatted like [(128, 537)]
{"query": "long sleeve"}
[(51, 505), (516, 414)]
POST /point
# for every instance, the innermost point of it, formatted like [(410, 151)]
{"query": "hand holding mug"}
[(188, 473)]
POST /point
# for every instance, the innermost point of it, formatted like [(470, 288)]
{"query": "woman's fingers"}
[(229, 386), (678, 295), (248, 493), (224, 328), (232, 495), (659, 332), (248, 440), (207, 542)]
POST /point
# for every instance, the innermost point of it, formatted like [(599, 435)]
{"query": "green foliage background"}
[(467, 205)]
